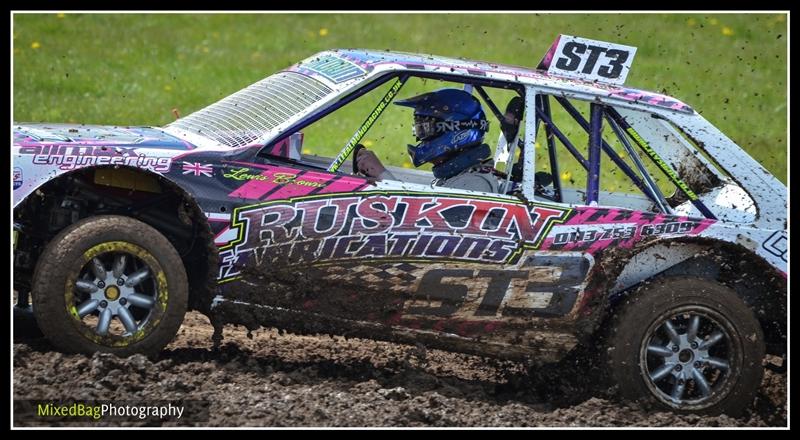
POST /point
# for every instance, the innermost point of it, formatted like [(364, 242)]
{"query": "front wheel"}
[(687, 344), (112, 284)]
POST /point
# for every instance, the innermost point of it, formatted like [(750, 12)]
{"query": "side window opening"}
[(391, 133), (563, 152), (596, 157)]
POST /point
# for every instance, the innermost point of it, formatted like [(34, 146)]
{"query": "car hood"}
[(27, 135)]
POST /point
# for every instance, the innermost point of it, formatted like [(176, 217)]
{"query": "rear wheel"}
[(688, 344), (110, 283)]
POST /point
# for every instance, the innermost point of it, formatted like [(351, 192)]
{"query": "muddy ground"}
[(270, 379)]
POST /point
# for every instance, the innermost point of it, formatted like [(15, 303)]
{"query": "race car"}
[(622, 220)]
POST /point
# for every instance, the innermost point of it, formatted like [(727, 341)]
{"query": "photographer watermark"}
[(91, 411)]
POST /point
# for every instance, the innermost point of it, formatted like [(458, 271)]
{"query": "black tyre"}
[(687, 344), (111, 284)]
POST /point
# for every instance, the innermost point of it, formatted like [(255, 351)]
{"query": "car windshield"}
[(253, 112)]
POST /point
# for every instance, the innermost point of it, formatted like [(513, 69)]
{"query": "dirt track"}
[(287, 380)]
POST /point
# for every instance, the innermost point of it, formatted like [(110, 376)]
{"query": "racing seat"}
[(514, 110), (509, 129)]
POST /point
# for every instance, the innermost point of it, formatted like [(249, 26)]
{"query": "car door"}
[(403, 253)]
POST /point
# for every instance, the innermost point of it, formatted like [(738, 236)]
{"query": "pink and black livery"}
[(269, 236)]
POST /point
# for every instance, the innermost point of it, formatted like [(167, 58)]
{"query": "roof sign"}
[(590, 60)]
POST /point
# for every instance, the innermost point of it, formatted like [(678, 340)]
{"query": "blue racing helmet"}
[(449, 123)]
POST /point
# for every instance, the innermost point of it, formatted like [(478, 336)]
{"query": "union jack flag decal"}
[(197, 169)]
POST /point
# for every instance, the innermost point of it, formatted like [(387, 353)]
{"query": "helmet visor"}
[(425, 127)]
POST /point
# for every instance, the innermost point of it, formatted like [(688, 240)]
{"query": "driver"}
[(450, 125)]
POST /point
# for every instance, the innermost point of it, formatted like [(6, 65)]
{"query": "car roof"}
[(375, 60)]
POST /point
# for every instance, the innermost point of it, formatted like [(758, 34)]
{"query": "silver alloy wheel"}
[(686, 358), (115, 285)]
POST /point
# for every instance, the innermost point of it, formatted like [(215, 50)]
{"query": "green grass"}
[(133, 69)]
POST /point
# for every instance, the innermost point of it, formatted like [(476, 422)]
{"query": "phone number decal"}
[(593, 234)]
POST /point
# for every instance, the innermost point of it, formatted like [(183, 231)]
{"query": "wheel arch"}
[(200, 259), (619, 272)]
